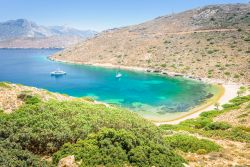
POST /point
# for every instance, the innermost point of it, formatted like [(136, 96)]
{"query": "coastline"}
[(227, 90)]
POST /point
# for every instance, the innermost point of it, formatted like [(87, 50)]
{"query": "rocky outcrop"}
[(68, 161)]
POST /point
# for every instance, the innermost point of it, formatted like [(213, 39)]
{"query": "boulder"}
[(68, 161)]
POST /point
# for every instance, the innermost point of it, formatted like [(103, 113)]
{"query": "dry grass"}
[(9, 100), (188, 43), (237, 117)]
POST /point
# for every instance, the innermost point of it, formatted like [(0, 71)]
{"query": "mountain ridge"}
[(31, 34)]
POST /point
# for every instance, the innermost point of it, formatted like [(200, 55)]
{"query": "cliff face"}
[(212, 42)]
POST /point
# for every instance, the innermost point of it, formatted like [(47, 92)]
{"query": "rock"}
[(157, 71), (68, 161), (164, 73), (178, 75)]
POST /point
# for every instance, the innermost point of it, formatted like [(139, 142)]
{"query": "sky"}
[(96, 14)]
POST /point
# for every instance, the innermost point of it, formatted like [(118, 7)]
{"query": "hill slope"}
[(41, 128), (209, 42), (22, 33)]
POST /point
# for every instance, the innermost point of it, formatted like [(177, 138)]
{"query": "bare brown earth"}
[(209, 42), (10, 101), (237, 117), (232, 154)]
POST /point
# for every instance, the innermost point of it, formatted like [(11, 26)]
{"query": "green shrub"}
[(236, 76), (188, 143), (201, 151), (243, 115), (205, 126), (29, 99), (13, 155), (217, 126), (90, 99), (198, 123), (167, 42), (244, 128), (247, 39), (4, 85), (44, 127), (210, 51), (163, 65), (111, 147), (211, 114), (227, 73)]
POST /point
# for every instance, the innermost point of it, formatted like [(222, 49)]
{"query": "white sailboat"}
[(57, 72), (118, 75)]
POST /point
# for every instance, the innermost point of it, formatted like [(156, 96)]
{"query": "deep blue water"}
[(148, 94)]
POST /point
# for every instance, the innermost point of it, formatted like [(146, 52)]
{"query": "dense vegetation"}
[(98, 135), (205, 125), (14, 156), (188, 143), (111, 147), (42, 128)]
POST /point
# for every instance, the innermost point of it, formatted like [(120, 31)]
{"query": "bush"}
[(204, 124), (188, 143), (29, 99), (196, 123), (90, 99), (201, 151), (13, 155), (111, 147), (4, 85), (163, 65), (44, 127), (218, 126), (211, 114)]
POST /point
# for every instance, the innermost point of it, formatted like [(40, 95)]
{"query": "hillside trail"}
[(201, 31)]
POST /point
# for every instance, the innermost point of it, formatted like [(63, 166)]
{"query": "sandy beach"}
[(228, 89), (230, 92)]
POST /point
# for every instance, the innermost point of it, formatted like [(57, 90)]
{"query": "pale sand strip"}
[(229, 92)]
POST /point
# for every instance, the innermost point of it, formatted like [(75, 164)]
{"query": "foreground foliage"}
[(111, 147), (42, 128), (188, 143), (205, 125)]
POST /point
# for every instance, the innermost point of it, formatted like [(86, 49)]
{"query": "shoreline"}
[(227, 90)]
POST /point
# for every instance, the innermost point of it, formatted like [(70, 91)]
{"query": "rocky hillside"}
[(41, 128), (208, 42), (22, 33)]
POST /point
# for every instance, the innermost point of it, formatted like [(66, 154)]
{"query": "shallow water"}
[(150, 95)]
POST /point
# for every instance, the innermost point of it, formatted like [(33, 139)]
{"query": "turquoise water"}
[(149, 95)]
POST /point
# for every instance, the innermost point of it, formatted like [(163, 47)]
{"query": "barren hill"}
[(22, 33), (208, 42)]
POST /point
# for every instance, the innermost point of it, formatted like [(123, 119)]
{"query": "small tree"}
[(241, 91), (217, 105)]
